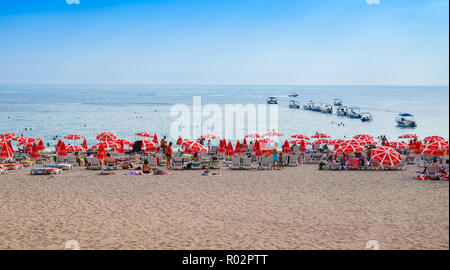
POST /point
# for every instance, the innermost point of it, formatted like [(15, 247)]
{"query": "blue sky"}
[(263, 42)]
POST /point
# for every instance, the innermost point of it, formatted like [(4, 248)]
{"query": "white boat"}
[(354, 113), (326, 108), (293, 94), (337, 102), (342, 111), (366, 117), (308, 106), (405, 120), (272, 100), (294, 104)]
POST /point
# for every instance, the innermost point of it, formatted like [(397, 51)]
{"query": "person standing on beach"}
[(275, 157), (163, 143), (169, 152)]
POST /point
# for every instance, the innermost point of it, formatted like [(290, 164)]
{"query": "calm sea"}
[(49, 110)]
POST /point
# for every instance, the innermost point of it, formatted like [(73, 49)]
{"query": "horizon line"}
[(200, 84)]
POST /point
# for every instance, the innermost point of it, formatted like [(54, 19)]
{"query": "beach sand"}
[(296, 208)]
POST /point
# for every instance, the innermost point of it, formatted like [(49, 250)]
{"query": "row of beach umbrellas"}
[(432, 145)]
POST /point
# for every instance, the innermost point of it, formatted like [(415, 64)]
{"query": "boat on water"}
[(405, 120), (316, 108), (342, 111), (354, 113), (337, 102), (366, 117), (327, 108), (272, 100), (308, 106), (293, 94), (294, 104)]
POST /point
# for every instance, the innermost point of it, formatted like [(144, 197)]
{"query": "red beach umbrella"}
[(144, 134), (179, 141), (121, 148), (433, 139), (397, 145), (411, 145), (196, 147), (230, 150), (437, 145), (386, 156), (302, 147), (41, 146), (74, 137), (321, 141), (273, 134), (349, 148), (253, 136), (106, 144), (407, 136), (300, 136), (149, 146), (299, 142), (106, 136), (369, 142), (238, 149), (7, 136), (29, 148), (7, 151), (84, 145), (320, 136), (352, 142), (18, 139), (222, 147), (286, 148), (155, 139), (101, 154), (35, 152), (209, 136), (244, 144), (363, 137), (74, 148), (62, 151), (266, 141)]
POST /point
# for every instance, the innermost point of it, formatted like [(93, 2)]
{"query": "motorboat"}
[(337, 102), (342, 111), (272, 100), (366, 117), (293, 94), (316, 108), (294, 104), (326, 108), (405, 120), (354, 113), (308, 106)]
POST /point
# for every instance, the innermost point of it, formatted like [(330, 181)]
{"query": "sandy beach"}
[(296, 208)]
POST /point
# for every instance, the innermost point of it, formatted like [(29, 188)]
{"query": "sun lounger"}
[(196, 165), (107, 171), (247, 163), (236, 163), (265, 163), (204, 162), (45, 171), (95, 164), (177, 163), (12, 166), (292, 161), (153, 163), (214, 164), (63, 166)]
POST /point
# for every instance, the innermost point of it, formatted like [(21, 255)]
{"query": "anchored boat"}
[(342, 111), (337, 102), (405, 120), (294, 104), (293, 94), (327, 108), (366, 117), (354, 113), (272, 100)]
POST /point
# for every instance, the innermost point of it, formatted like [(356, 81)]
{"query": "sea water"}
[(48, 110)]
